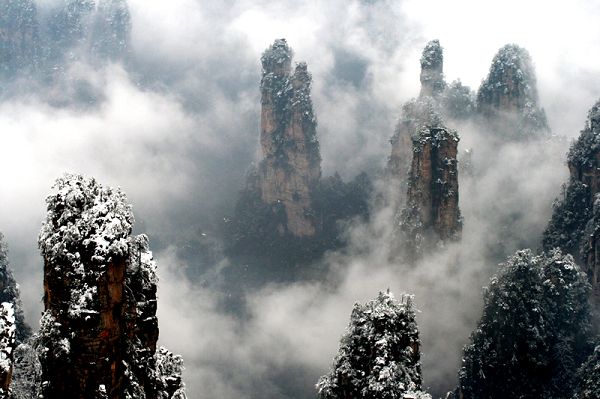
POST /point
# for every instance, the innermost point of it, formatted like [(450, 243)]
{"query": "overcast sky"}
[(179, 133)]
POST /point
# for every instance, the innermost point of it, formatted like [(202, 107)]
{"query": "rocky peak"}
[(432, 69), (431, 214), (291, 164), (509, 97), (99, 330), (415, 114), (277, 59)]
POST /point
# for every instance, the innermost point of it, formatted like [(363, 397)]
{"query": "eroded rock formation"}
[(575, 224), (99, 331), (433, 181), (416, 113), (432, 69), (424, 156), (508, 97), (291, 164)]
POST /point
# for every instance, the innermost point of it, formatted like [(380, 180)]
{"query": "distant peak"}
[(277, 58), (432, 69)]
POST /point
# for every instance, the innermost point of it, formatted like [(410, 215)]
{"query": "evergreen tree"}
[(379, 353), (534, 333)]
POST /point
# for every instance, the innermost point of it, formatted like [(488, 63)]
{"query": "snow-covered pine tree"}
[(534, 334), (379, 353)]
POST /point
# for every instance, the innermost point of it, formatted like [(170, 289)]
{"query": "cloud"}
[(178, 127)]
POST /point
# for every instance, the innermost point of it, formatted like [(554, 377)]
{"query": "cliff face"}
[(18, 33), (291, 162), (575, 224), (508, 97), (433, 181), (99, 330), (415, 115)]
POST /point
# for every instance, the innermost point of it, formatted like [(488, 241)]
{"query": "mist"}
[(178, 126)]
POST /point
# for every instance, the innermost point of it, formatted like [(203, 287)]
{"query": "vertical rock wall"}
[(291, 164), (433, 181), (18, 33), (575, 223)]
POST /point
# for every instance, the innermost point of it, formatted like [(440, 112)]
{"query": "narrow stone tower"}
[(291, 164), (424, 159), (99, 331), (433, 181), (432, 69)]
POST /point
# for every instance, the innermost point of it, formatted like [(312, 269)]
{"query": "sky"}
[(178, 130)]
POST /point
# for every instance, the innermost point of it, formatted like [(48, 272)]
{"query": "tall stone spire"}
[(432, 69), (99, 330), (291, 164)]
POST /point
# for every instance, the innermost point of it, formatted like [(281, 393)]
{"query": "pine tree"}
[(534, 333), (379, 353)]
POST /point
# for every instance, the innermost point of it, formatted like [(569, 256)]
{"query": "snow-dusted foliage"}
[(590, 377), (432, 68), (7, 336), (576, 215), (9, 292), (567, 225), (584, 150), (86, 221), (458, 101), (26, 380), (534, 333), (508, 97), (7, 346), (379, 353), (433, 55), (168, 371), (278, 57), (512, 71)]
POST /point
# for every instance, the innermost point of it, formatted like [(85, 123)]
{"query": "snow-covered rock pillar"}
[(98, 281)]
